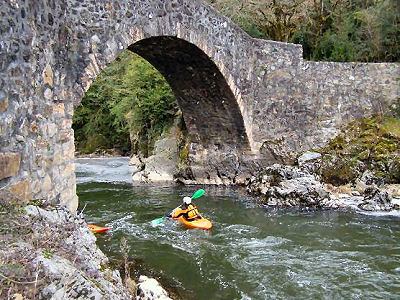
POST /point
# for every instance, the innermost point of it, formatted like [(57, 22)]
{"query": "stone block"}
[(64, 135), (21, 191), (68, 170), (48, 75), (69, 199), (66, 124), (34, 127), (3, 101), (51, 129), (68, 150), (36, 186), (59, 109), (46, 184), (42, 144), (9, 164), (58, 157), (48, 94)]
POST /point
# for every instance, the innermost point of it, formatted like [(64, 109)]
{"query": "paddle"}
[(197, 194)]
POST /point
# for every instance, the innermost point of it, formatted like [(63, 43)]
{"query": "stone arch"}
[(208, 105), (50, 52), (208, 42)]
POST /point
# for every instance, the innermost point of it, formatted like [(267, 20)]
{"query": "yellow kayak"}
[(202, 223), (98, 229)]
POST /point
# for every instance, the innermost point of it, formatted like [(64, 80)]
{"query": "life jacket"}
[(190, 213)]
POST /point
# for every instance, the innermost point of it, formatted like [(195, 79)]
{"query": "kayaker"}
[(187, 210)]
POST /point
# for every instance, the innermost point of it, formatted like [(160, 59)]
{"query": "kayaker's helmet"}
[(187, 200)]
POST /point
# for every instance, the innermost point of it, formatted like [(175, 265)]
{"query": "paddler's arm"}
[(198, 213), (177, 212), (170, 215)]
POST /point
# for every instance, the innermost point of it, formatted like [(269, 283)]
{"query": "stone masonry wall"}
[(51, 51), (302, 108)]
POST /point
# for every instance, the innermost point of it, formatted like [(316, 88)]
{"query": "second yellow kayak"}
[(98, 229)]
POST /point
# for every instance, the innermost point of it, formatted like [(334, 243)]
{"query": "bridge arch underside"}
[(209, 107)]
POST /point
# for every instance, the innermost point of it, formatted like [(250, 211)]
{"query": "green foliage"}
[(338, 170), (130, 101), (369, 33), (365, 144), (155, 105), (47, 253), (340, 30), (336, 44), (238, 11)]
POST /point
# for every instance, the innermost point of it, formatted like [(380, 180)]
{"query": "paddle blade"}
[(157, 221), (198, 193)]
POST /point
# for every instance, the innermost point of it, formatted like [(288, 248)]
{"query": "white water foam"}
[(104, 169)]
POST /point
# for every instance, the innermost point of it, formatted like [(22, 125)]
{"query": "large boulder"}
[(162, 165), (310, 161), (277, 151), (377, 200), (150, 289), (55, 250), (221, 165), (137, 164), (288, 186), (307, 157), (368, 179)]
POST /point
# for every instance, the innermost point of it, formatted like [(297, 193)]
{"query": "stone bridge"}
[(242, 99)]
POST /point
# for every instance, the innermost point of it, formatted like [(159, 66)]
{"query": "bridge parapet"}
[(253, 92)]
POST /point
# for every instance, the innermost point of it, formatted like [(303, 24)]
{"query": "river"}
[(251, 252)]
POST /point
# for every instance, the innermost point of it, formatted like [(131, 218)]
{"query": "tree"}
[(127, 106), (335, 30)]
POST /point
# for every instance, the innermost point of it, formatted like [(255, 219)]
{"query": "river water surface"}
[(252, 252)]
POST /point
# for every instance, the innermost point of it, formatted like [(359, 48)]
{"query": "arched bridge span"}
[(210, 109), (237, 94)]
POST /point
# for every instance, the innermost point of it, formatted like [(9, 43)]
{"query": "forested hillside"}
[(334, 30), (128, 105)]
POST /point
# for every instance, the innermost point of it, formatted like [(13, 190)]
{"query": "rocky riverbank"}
[(293, 186), (359, 168), (50, 253)]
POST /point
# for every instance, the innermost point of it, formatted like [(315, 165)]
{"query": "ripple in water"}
[(251, 253)]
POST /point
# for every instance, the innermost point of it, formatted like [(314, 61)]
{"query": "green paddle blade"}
[(198, 193), (157, 221)]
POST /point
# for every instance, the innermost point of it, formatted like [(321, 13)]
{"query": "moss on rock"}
[(364, 144)]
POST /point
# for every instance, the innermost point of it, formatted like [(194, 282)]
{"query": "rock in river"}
[(377, 200), (288, 186)]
